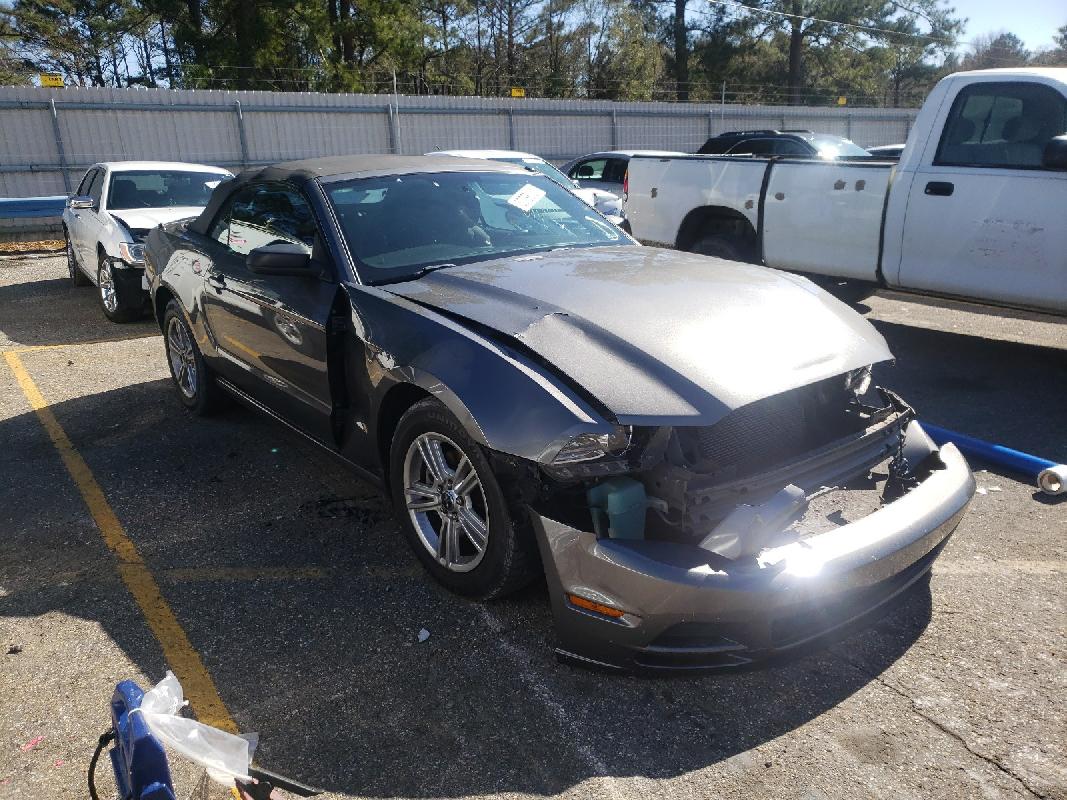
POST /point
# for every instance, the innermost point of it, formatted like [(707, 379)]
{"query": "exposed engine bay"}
[(793, 464)]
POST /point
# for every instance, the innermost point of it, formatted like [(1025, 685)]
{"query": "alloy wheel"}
[(446, 502), (182, 358), (107, 287)]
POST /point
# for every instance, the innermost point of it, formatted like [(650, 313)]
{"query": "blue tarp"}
[(28, 207)]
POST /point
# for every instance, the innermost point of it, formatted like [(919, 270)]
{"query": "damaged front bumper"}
[(687, 609)]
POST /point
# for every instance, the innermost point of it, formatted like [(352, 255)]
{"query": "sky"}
[(1033, 21)]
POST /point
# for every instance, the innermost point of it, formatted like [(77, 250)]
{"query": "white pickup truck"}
[(976, 208)]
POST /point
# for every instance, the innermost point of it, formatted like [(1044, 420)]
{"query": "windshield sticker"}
[(527, 197)]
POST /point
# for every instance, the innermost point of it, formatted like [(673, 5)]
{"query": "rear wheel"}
[(77, 277), (194, 380), (451, 507), (119, 298)]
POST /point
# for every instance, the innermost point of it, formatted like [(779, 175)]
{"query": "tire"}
[(120, 301), (193, 379), (719, 246), (507, 559), (77, 277)]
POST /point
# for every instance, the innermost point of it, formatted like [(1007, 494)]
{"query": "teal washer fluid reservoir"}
[(618, 507)]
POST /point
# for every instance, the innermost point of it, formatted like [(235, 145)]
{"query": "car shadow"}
[(1004, 392), (51, 311), (324, 660)]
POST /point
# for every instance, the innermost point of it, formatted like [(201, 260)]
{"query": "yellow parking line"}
[(177, 649)]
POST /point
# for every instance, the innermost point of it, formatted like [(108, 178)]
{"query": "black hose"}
[(105, 740)]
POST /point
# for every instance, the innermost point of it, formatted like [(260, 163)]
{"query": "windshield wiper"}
[(416, 274)]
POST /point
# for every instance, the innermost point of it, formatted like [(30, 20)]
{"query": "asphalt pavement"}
[(287, 581)]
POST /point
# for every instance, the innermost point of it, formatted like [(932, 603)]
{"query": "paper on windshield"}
[(527, 197)]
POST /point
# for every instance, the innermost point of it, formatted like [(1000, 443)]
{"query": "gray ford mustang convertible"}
[(689, 449)]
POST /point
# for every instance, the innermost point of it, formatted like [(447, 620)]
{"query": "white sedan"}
[(116, 205), (607, 203)]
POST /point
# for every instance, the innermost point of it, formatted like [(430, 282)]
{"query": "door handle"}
[(940, 188)]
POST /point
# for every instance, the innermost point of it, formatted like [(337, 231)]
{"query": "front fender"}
[(503, 399)]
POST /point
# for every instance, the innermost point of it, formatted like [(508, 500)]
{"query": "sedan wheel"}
[(196, 384), (446, 502), (77, 277), (452, 509), (182, 358), (106, 285), (121, 299)]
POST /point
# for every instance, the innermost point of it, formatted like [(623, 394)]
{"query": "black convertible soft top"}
[(336, 168)]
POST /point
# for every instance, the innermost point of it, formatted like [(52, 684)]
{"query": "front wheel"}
[(451, 507), (192, 377), (119, 298)]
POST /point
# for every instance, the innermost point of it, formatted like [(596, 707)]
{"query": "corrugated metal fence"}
[(50, 136)]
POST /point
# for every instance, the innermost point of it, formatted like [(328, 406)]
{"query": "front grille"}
[(771, 431)]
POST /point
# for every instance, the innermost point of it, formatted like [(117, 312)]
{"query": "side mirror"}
[(81, 201), (1055, 155), (279, 258)]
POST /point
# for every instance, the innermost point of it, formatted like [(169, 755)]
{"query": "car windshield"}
[(398, 226), (160, 189), (541, 166), (836, 147)]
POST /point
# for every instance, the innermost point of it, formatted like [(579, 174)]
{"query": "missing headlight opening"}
[(784, 467)]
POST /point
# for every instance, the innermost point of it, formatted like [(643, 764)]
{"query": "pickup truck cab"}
[(973, 209)]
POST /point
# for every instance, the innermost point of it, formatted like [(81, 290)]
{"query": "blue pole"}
[(1049, 476)]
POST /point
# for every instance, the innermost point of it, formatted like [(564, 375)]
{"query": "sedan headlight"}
[(591, 446), (858, 381), (132, 252)]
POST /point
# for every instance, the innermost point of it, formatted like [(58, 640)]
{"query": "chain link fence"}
[(52, 136)]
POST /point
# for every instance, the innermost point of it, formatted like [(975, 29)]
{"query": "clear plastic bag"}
[(224, 755)]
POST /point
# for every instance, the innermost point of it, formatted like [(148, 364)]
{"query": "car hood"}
[(150, 217), (658, 336)]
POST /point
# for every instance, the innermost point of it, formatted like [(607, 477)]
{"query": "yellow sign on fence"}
[(518, 91), (842, 101), (52, 79)]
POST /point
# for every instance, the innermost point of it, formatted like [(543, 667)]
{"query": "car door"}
[(87, 224), (75, 215), (984, 219), (270, 330)]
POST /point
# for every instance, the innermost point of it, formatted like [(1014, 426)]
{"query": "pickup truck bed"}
[(973, 209)]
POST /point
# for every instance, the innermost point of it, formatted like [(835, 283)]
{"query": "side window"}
[(787, 147), (264, 213), (590, 170), (1003, 125), (753, 147), (615, 170), (87, 180), (96, 187)]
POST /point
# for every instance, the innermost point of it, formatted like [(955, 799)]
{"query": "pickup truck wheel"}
[(719, 246), (193, 378), (452, 510), (121, 301), (77, 277)]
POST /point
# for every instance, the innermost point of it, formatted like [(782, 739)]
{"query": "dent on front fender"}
[(503, 400)]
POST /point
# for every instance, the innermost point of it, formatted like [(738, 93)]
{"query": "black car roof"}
[(336, 168)]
